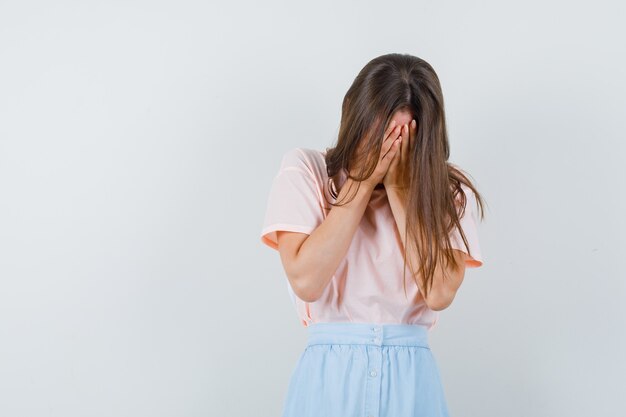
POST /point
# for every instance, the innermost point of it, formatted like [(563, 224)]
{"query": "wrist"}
[(368, 185), (396, 191), (363, 186)]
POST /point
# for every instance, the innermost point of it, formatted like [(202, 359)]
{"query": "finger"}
[(405, 144), (396, 157), (389, 129), (388, 133), (413, 132), (393, 150), (389, 141)]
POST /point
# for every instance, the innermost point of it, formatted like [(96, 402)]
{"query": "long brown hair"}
[(435, 199)]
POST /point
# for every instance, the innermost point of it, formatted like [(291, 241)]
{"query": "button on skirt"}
[(365, 370)]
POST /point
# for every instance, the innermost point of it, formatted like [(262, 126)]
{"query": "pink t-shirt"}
[(367, 286)]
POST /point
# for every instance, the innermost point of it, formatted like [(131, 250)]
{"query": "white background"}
[(138, 141)]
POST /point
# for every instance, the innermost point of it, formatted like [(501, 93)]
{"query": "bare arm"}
[(310, 261), (443, 291)]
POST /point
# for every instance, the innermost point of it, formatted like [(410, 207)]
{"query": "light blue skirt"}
[(365, 370)]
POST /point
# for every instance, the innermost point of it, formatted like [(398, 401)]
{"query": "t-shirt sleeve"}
[(469, 224), (295, 200)]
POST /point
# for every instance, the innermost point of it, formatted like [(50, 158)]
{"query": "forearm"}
[(442, 291), (398, 208), (325, 248)]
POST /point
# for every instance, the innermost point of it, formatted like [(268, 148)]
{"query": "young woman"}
[(351, 223)]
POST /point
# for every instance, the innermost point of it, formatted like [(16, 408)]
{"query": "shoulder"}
[(469, 193), (301, 157), (311, 161), (471, 204), (465, 199)]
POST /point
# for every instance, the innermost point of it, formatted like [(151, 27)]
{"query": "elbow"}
[(440, 301), (438, 304), (301, 284), (305, 289), (307, 297)]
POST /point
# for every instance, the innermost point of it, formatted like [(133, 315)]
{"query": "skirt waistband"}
[(367, 334)]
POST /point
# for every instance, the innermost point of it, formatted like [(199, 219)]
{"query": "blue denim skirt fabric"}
[(365, 370)]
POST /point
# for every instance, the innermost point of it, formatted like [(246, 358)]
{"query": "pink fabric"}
[(367, 286)]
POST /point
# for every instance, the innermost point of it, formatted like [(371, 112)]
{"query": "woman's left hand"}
[(397, 176)]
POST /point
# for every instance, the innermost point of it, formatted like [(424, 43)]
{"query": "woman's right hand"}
[(391, 145)]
